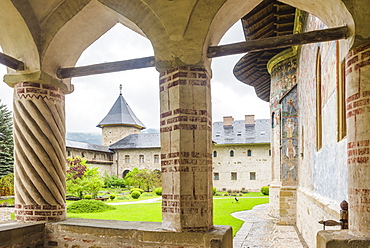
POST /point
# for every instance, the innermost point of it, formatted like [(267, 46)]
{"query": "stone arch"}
[(77, 34), (16, 39)]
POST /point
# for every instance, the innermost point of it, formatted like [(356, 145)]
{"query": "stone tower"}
[(119, 122)]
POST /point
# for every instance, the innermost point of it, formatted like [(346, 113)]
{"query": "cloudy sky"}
[(94, 95)]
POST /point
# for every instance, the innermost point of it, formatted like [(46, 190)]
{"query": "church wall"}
[(322, 172), (148, 163), (242, 164)]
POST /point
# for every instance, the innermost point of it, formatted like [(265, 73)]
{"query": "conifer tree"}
[(6, 141)]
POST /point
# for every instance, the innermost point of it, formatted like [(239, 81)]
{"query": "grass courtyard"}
[(222, 206)]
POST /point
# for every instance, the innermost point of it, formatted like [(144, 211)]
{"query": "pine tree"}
[(6, 141)]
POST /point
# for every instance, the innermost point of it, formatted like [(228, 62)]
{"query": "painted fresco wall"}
[(322, 173), (289, 125)]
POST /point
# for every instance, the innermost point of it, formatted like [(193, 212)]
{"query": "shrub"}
[(87, 206), (137, 189), (265, 190), (135, 194), (240, 194), (112, 196), (214, 191), (87, 197), (226, 194), (158, 191), (229, 191)]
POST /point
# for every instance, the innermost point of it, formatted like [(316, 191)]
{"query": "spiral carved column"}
[(39, 152)]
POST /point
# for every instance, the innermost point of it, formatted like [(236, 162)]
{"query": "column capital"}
[(37, 77)]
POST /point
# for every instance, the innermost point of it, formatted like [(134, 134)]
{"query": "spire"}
[(120, 89), (121, 114)]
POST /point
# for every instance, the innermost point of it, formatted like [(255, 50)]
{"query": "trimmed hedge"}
[(88, 206), (137, 189), (265, 190), (158, 191), (135, 194)]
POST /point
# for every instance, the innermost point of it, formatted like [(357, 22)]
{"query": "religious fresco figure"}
[(290, 150), (291, 108), (289, 127)]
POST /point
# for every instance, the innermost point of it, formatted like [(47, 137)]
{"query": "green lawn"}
[(152, 212)]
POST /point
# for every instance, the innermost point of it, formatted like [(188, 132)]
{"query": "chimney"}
[(228, 121), (249, 119)]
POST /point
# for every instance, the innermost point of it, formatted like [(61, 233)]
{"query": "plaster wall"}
[(112, 134), (149, 161), (259, 162), (323, 171)]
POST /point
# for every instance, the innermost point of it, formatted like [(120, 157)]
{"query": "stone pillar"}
[(39, 152), (358, 138), (186, 141)]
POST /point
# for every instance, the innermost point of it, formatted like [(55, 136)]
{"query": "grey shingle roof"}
[(121, 114), (87, 146), (142, 140), (239, 133)]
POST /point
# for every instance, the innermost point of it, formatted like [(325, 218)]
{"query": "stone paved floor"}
[(261, 231)]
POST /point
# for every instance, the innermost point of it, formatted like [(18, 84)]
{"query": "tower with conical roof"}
[(119, 122)]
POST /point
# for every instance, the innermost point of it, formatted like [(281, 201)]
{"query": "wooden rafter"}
[(279, 42), (106, 67), (11, 62)]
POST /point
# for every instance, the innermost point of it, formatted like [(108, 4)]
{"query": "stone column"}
[(39, 152), (358, 138), (186, 141)]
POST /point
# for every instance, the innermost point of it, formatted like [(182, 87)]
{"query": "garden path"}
[(262, 231)]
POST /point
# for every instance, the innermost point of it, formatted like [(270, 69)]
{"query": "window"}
[(263, 132), (318, 102), (83, 154), (216, 176), (127, 159), (252, 175), (239, 133), (156, 158), (218, 134), (249, 153), (141, 158), (269, 152), (69, 153), (234, 176), (214, 154), (232, 153)]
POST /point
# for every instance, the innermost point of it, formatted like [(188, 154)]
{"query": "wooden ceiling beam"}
[(11, 62), (279, 42), (106, 67)]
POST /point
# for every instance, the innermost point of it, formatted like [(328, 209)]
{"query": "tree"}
[(81, 179), (6, 141), (143, 179)]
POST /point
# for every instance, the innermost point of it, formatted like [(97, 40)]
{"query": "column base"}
[(340, 239)]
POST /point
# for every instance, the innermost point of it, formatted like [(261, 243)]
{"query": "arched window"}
[(214, 154), (249, 153), (125, 173), (232, 153)]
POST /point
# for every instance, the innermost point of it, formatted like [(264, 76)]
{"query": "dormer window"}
[(239, 133), (218, 134), (263, 132)]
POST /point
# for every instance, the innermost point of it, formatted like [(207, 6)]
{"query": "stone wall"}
[(112, 134), (149, 161), (259, 162)]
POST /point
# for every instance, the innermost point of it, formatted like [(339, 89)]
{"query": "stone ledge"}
[(108, 233), (12, 232), (340, 239)]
